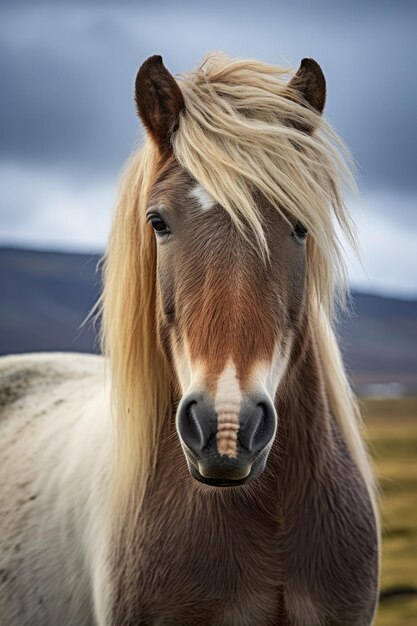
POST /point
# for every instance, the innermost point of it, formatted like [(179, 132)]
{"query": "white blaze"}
[(268, 376), (227, 406)]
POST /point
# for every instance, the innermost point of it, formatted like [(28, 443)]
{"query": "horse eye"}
[(300, 232), (158, 224)]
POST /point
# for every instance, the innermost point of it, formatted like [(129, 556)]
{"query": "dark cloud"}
[(68, 120), (68, 98), (68, 70)]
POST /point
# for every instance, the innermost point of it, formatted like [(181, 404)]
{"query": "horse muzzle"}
[(225, 447)]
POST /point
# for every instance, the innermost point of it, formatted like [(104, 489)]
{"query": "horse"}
[(209, 467)]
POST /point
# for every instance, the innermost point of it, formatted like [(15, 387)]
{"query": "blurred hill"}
[(45, 296)]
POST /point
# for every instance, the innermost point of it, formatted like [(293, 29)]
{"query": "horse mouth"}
[(219, 481)]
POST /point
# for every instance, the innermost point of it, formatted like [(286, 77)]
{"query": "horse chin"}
[(218, 481), (236, 478)]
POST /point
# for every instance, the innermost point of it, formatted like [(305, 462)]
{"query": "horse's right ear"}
[(159, 101)]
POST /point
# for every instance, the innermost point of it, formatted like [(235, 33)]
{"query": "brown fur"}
[(159, 100), (211, 287), (310, 83)]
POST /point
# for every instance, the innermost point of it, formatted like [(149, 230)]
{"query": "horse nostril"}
[(259, 427), (194, 431), (189, 427)]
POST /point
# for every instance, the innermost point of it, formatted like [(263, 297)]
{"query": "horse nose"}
[(200, 430)]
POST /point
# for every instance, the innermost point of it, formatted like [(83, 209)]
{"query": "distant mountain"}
[(379, 340), (45, 297)]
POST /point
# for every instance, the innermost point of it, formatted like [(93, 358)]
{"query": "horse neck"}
[(305, 425)]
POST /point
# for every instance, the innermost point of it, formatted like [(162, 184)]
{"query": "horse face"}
[(227, 318)]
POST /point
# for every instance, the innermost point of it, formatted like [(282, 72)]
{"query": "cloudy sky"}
[(68, 121)]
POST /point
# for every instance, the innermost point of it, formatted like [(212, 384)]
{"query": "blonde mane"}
[(240, 133)]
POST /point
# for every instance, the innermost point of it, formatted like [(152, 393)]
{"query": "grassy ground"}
[(391, 427)]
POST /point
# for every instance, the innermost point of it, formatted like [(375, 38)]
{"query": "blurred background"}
[(68, 123)]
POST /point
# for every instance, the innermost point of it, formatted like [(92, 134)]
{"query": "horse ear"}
[(159, 101), (310, 84)]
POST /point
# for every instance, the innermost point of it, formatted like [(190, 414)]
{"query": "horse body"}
[(51, 434), (218, 477)]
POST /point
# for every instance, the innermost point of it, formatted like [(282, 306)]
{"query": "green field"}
[(391, 427)]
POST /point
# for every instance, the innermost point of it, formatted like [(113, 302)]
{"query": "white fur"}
[(268, 375), (205, 200), (55, 453), (227, 403)]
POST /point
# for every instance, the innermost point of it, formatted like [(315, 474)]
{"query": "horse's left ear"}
[(310, 84), (159, 101)]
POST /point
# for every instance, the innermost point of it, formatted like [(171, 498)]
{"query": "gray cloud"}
[(67, 71)]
